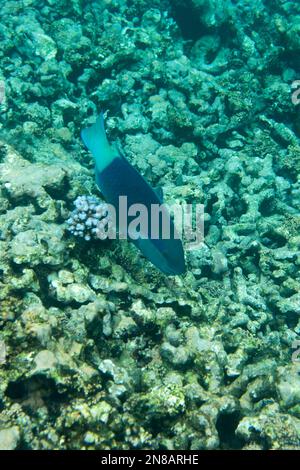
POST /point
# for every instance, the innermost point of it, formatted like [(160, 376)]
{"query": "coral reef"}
[(89, 218), (98, 350)]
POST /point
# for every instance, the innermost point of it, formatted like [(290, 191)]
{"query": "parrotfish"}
[(116, 177)]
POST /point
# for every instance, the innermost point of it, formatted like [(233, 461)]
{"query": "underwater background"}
[(99, 349)]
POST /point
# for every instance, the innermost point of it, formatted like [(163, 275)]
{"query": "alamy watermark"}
[(296, 93), (296, 353), (2, 91), (156, 223), (2, 352)]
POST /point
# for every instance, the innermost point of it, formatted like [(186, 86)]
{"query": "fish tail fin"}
[(95, 135)]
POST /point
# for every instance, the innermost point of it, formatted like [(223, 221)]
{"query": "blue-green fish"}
[(116, 177)]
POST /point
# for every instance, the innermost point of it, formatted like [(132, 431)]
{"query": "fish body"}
[(116, 177)]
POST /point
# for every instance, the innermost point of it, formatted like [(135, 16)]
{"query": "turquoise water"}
[(99, 349)]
